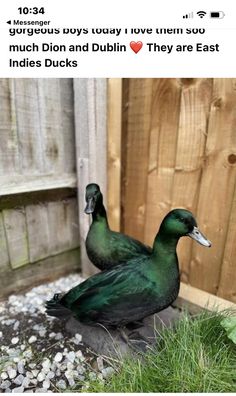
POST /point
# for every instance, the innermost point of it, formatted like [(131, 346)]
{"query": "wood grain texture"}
[(136, 140), (90, 130), (9, 149), (196, 97), (114, 152), (227, 283), (45, 270), (16, 236), (192, 166), (195, 300), (4, 256), (217, 186), (164, 123)]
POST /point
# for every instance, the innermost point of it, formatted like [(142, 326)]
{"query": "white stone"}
[(78, 337), (14, 340), (61, 384), (0, 334), (16, 325), (22, 347), (58, 357), (50, 375), (29, 374), (41, 377), (21, 367), (46, 365), (35, 372), (26, 382), (5, 384), (46, 384), (107, 372), (11, 373), (20, 389), (59, 336), (32, 365), (32, 339), (4, 375), (19, 379), (71, 356)]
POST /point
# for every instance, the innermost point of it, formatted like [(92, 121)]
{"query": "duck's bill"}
[(90, 206), (199, 237)]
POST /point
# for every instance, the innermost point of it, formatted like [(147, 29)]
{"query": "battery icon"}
[(217, 14)]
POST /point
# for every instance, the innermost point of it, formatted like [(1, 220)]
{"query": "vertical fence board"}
[(227, 284), (16, 234), (137, 145), (217, 186), (114, 151), (162, 148), (28, 126), (67, 124), (38, 231), (90, 131), (4, 258), (9, 155), (194, 114)]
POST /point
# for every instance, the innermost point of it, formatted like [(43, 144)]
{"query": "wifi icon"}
[(201, 14)]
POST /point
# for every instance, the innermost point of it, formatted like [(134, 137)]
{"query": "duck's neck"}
[(100, 215), (164, 245)]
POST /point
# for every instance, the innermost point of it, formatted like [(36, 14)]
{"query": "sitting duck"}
[(133, 290), (106, 248)]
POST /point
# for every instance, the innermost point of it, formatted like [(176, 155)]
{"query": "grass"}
[(196, 356)]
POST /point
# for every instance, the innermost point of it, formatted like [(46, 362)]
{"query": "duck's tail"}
[(54, 307)]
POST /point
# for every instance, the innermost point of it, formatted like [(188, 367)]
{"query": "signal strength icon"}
[(201, 14), (190, 15)]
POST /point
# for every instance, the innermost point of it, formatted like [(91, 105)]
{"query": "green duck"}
[(131, 291), (106, 248)]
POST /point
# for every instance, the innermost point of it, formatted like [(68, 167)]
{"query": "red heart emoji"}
[(136, 46)]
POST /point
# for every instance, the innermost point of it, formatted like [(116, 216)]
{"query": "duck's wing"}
[(128, 245), (116, 296)]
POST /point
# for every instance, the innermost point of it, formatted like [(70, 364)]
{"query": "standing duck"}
[(106, 248), (131, 291)]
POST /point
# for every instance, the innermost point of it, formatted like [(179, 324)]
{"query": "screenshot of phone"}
[(117, 196)]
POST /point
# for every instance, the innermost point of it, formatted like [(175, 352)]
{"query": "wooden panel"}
[(16, 234), (67, 124), (43, 271), (28, 126), (114, 151), (217, 187), (60, 228), (38, 232), (162, 148), (29, 183), (4, 258), (194, 115), (9, 156), (90, 124), (227, 285), (136, 140), (195, 300)]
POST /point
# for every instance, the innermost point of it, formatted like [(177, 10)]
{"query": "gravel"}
[(36, 352)]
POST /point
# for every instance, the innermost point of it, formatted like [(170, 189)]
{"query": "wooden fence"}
[(169, 143), (38, 206), (179, 150)]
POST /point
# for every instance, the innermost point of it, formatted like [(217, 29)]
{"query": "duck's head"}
[(93, 197), (180, 222)]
